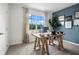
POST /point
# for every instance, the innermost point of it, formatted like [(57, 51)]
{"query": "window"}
[(36, 22)]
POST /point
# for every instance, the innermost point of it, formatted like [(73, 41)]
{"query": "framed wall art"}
[(68, 24), (76, 22), (61, 20), (77, 14), (68, 18)]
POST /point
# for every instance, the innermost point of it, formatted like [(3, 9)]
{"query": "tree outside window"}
[(36, 22)]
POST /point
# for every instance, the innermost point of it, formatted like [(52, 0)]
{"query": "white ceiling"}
[(48, 6)]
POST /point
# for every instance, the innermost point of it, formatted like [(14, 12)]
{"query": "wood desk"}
[(42, 41)]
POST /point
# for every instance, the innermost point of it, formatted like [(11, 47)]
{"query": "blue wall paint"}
[(70, 34)]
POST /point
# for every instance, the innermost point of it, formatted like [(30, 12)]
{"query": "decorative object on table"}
[(68, 22), (54, 23), (77, 14), (61, 19), (76, 22), (45, 29), (54, 32)]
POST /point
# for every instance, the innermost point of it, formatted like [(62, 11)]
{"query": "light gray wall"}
[(50, 14), (3, 28), (16, 24), (36, 12)]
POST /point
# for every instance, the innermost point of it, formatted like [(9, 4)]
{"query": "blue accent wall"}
[(70, 34)]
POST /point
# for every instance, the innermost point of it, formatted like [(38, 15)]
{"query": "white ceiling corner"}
[(48, 6)]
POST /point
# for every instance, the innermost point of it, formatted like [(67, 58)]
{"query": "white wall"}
[(36, 12), (50, 14), (16, 24), (3, 28)]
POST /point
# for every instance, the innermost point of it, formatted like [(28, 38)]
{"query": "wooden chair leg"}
[(43, 49), (46, 44), (60, 45), (39, 44), (50, 41), (35, 44)]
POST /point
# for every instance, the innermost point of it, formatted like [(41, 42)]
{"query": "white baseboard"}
[(71, 42)]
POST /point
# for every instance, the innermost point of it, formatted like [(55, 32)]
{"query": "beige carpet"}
[(27, 49)]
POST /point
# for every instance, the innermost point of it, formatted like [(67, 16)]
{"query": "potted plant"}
[(54, 23)]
